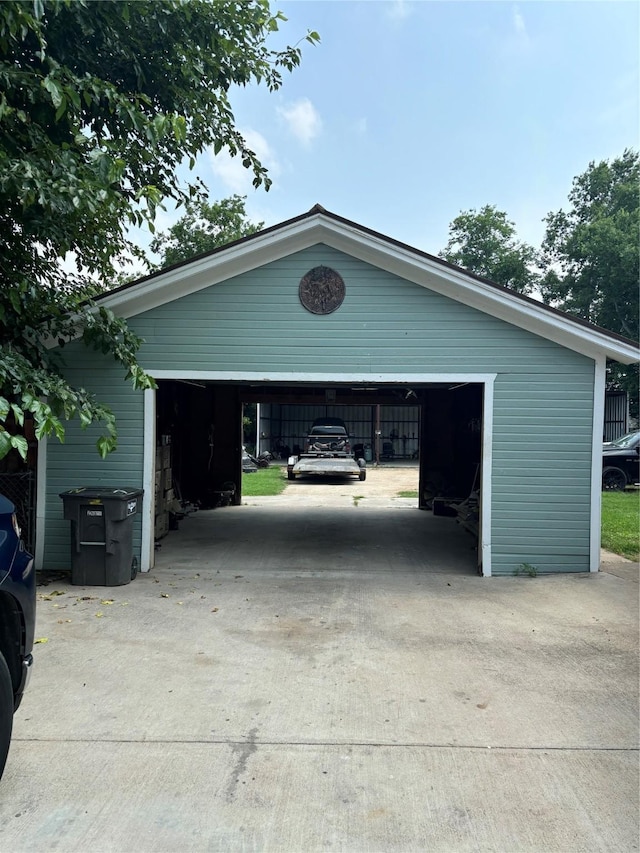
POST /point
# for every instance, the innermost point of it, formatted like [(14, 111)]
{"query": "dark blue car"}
[(17, 621)]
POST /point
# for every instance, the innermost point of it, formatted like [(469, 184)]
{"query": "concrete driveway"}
[(328, 678)]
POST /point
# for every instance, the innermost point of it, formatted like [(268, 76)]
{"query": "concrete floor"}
[(308, 680)]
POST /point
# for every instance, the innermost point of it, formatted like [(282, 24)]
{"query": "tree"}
[(203, 227), (484, 242), (100, 102), (590, 255)]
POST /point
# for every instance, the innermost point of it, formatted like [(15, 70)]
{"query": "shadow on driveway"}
[(320, 539)]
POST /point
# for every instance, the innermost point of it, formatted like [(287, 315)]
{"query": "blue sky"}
[(407, 113)]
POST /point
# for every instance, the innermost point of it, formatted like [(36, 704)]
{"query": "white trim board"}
[(147, 550), (596, 464), (288, 377)]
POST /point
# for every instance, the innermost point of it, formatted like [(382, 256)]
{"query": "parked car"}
[(328, 434), (327, 451), (621, 462), (17, 621), (629, 439)]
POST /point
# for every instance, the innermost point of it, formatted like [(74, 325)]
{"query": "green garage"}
[(491, 392)]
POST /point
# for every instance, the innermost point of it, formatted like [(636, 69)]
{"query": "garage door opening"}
[(436, 429)]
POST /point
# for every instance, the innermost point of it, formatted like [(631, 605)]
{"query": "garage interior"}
[(201, 429)]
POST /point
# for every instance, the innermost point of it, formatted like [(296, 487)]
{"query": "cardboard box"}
[(161, 525)]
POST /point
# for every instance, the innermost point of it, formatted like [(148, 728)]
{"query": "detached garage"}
[(494, 393)]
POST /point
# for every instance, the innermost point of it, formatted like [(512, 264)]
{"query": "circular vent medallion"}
[(321, 290)]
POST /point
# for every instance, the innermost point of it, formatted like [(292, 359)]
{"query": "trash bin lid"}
[(102, 493)]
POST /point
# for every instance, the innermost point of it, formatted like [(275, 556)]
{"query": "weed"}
[(525, 569)]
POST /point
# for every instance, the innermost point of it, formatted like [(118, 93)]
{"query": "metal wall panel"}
[(616, 415), (289, 424)]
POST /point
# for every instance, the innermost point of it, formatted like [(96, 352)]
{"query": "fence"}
[(21, 491)]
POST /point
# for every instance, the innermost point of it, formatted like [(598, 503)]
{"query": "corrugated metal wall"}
[(288, 425), (616, 415), (255, 322)]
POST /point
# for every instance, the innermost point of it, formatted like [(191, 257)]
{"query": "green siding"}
[(77, 462), (542, 468), (543, 404)]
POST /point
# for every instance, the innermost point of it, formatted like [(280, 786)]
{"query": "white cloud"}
[(233, 174), (518, 22), (520, 39), (361, 126), (303, 120), (398, 10)]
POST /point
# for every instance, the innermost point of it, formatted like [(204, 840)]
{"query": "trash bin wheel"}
[(134, 568)]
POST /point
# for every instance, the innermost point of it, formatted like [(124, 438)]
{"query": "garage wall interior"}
[(246, 323)]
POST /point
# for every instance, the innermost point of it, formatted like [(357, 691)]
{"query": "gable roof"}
[(320, 226)]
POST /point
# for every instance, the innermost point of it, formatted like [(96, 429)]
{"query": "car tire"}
[(613, 480), (363, 475), (6, 712)]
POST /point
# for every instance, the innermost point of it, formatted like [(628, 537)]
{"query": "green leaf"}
[(55, 90), (5, 443), (19, 442), (18, 414), (106, 445), (62, 108)]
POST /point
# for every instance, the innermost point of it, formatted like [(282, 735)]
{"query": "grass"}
[(264, 481), (621, 523), (410, 493)]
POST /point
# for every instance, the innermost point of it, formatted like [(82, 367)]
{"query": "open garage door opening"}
[(434, 429)]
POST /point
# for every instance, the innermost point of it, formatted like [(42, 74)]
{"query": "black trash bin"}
[(101, 534)]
